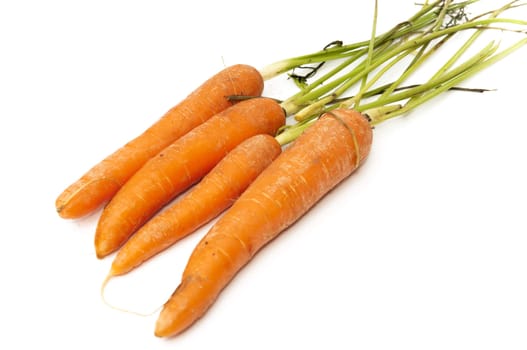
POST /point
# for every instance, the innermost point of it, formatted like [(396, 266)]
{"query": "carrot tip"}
[(62, 210), (104, 284), (162, 328), (102, 249), (103, 288)]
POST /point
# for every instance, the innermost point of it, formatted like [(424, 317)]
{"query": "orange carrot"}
[(180, 165), (328, 151), (101, 182), (212, 195)]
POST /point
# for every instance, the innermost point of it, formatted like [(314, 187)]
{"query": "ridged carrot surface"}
[(212, 195), (179, 166), (102, 181), (328, 152)]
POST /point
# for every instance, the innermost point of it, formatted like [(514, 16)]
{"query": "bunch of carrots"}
[(265, 169)]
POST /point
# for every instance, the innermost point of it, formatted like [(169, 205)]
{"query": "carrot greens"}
[(388, 59)]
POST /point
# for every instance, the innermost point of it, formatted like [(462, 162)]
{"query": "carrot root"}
[(180, 165), (324, 155), (88, 195), (117, 308), (212, 195), (90, 192)]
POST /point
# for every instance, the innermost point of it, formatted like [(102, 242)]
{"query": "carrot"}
[(212, 195), (180, 165), (325, 154), (102, 181)]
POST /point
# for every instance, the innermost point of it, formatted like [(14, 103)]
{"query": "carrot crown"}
[(399, 52)]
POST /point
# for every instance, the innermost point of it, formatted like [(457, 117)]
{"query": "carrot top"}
[(362, 65)]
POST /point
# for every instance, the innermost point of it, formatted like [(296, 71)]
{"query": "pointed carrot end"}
[(103, 286), (59, 208), (103, 247), (159, 332), (69, 206), (175, 316), (64, 211), (185, 306), (100, 254), (164, 326), (117, 308)]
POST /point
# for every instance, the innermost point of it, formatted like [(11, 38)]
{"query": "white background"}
[(422, 248)]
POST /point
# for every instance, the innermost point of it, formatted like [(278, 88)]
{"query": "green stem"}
[(346, 81), (442, 14), (381, 58), (455, 57), (416, 63), (461, 77), (310, 94), (291, 105), (421, 19), (355, 100), (364, 83), (474, 60), (290, 134)]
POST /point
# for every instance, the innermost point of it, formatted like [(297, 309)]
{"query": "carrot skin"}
[(212, 195), (180, 165), (327, 152), (101, 182)]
